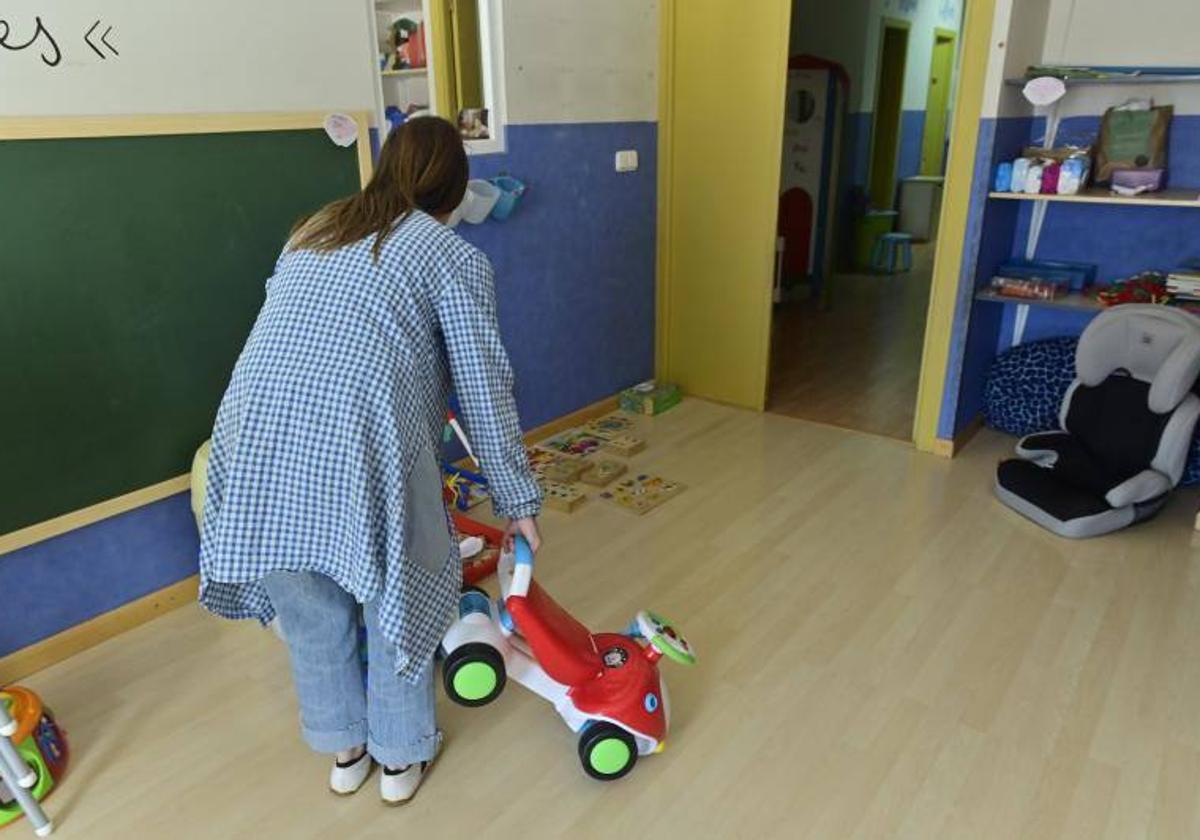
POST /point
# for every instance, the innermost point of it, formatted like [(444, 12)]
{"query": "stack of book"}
[(1184, 283)]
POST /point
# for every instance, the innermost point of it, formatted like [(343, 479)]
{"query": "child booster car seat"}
[(1126, 424)]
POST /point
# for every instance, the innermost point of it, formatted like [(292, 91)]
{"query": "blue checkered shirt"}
[(325, 448)]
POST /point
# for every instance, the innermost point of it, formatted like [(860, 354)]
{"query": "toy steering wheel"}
[(664, 638)]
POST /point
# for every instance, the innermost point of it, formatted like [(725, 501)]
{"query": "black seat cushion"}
[(1075, 465), (1115, 426), (1044, 489)]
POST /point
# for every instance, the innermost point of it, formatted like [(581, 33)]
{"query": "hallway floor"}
[(855, 366)]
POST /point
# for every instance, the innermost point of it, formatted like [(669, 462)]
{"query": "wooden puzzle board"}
[(611, 425), (601, 472), (642, 493), (575, 442)]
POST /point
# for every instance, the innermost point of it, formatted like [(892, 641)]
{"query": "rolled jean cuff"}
[(422, 749), (335, 740)]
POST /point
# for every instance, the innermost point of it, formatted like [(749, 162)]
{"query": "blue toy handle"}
[(522, 553), (522, 567)]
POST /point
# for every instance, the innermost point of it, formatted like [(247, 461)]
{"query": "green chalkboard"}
[(131, 271)]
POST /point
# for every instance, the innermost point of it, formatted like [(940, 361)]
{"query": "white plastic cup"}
[(481, 197)]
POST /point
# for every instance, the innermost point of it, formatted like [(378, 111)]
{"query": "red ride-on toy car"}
[(605, 686)]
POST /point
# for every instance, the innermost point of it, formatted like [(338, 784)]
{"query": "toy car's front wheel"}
[(607, 751), (474, 674)]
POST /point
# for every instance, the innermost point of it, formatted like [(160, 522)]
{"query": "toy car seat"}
[(1126, 425)]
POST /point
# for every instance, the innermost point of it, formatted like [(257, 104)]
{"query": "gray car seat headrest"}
[(1156, 344)]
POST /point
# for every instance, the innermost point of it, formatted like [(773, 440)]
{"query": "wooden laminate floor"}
[(885, 652), (857, 364)]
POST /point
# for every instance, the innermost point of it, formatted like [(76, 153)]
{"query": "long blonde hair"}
[(422, 166)]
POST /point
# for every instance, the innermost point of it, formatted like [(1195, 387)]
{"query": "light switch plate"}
[(627, 160)]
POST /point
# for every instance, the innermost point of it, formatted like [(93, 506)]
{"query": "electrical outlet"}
[(627, 160)]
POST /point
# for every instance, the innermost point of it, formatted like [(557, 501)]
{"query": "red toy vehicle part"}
[(605, 686)]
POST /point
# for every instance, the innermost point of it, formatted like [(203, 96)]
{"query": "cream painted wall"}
[(565, 60), (219, 55), (581, 60), (1151, 32)]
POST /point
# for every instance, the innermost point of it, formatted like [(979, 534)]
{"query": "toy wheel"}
[(607, 751), (474, 674)]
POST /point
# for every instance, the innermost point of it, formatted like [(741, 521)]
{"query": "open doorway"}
[(848, 331), (889, 110), (937, 108)]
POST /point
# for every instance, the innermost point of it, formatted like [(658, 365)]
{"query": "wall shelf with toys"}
[(1073, 106), (401, 48)]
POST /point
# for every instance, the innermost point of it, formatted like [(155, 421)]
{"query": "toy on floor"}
[(562, 497), (33, 758), (624, 445), (610, 425), (650, 398), (605, 686), (575, 442), (464, 489), (643, 493), (603, 472)]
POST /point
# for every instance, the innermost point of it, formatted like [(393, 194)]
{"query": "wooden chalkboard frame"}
[(58, 128)]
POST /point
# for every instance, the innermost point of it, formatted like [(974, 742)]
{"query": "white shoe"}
[(398, 786), (345, 779)]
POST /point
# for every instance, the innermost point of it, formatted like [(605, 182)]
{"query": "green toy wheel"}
[(474, 675), (606, 751), (10, 811)]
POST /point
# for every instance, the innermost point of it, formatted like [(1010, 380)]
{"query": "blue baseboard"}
[(64, 581)]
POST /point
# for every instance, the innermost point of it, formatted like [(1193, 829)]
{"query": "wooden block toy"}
[(624, 445), (642, 493), (538, 458), (562, 497), (602, 473), (563, 469)]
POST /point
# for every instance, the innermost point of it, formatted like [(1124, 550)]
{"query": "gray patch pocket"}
[(427, 538)]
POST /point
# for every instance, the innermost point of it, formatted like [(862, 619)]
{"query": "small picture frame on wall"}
[(473, 123)]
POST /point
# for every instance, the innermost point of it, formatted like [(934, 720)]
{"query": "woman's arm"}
[(483, 381)]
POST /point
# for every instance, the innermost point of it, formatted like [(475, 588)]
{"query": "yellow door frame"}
[(952, 230), (975, 43), (933, 146)]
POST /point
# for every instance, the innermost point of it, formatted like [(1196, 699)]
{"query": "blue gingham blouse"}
[(325, 448)]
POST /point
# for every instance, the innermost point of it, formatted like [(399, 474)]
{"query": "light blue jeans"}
[(320, 623)]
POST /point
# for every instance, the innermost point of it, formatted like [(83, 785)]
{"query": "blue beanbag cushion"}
[(1026, 386)]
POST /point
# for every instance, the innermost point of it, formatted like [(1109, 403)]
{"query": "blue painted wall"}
[(575, 266), (61, 582), (990, 229), (575, 275), (912, 135)]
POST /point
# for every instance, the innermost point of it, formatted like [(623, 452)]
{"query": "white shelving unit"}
[(404, 88), (1187, 197)]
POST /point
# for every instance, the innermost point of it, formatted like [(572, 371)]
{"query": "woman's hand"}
[(526, 528)]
